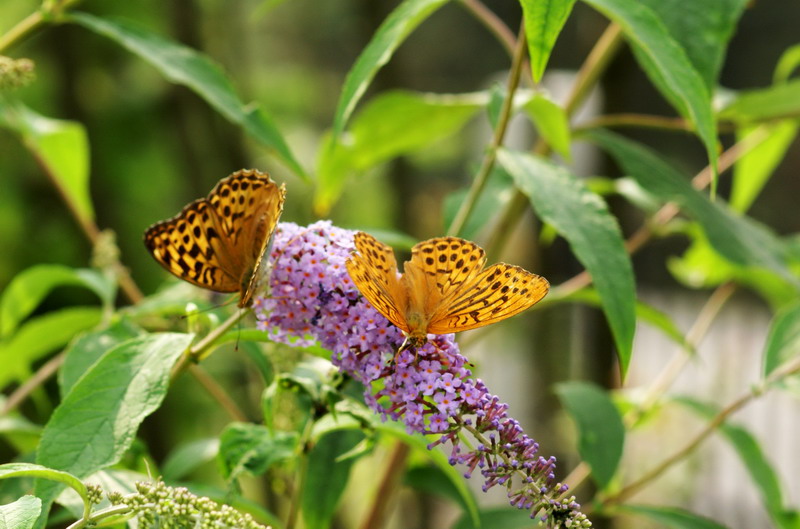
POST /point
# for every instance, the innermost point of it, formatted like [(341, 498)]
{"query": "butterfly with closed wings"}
[(219, 242)]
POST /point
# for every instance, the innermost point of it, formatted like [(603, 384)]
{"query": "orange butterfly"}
[(444, 287), (219, 242)]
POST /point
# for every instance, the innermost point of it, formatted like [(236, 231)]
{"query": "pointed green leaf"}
[(392, 32), (62, 147), (753, 170), (787, 64), (673, 517), (21, 514), (552, 123), (326, 476), (389, 126), (776, 102), (783, 343), (739, 239), (544, 20), (87, 348), (28, 288), (702, 29), (583, 219), (601, 433), (186, 66), (666, 64), (42, 335)]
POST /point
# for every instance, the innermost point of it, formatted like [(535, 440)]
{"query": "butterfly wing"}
[(248, 205), (497, 293), (373, 270), (187, 246), (449, 262)]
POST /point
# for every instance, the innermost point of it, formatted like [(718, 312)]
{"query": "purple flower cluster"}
[(313, 300)]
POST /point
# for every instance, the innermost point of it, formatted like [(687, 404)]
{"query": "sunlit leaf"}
[(21, 514), (392, 32), (765, 104), (783, 343), (28, 288), (552, 123), (753, 170), (61, 146), (544, 20)]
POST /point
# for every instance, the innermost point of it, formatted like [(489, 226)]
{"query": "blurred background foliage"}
[(154, 145)]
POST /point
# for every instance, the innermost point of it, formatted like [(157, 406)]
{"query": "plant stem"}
[(493, 23), (594, 66), (218, 393), (32, 22), (388, 487), (21, 393), (199, 351), (629, 490), (634, 120), (497, 140), (702, 324)]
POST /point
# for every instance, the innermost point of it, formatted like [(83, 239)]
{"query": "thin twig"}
[(202, 348), (493, 23), (40, 377), (218, 393)]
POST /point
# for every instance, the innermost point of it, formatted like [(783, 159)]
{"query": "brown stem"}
[(376, 517), (21, 393), (218, 393), (493, 23)]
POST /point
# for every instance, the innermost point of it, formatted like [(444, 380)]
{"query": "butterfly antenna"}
[(209, 309)]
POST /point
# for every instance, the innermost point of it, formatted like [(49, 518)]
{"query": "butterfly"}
[(219, 242), (444, 288)]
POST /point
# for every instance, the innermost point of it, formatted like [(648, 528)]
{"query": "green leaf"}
[(739, 239), (787, 64), (389, 126), (761, 470), (40, 336), (20, 433), (87, 348), (775, 102), (701, 266), (185, 66), (783, 342), (19, 470), (253, 449), (544, 20), (326, 477), (552, 123), (753, 170), (667, 65), (702, 29), (432, 481), (21, 514), (601, 433), (27, 290), (96, 422), (392, 32), (673, 517), (187, 457), (583, 219), (645, 312), (62, 147), (497, 518)]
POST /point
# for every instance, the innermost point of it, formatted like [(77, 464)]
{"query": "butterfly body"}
[(219, 242), (444, 288)]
